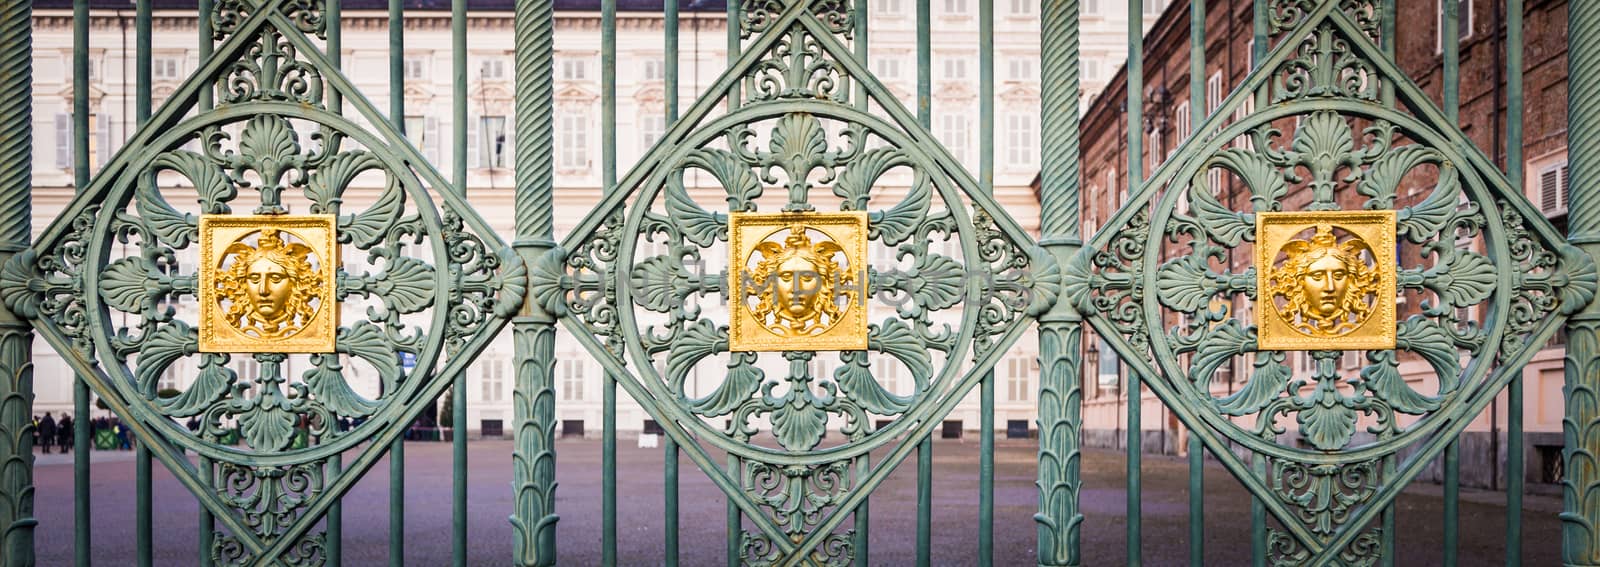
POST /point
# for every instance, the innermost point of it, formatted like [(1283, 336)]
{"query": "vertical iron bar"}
[(206, 521), (670, 446), (986, 185), (1514, 464), (533, 481), (335, 518), (1449, 36), (143, 517), (1386, 22), (925, 119), (1258, 509), (1581, 426), (608, 168), (80, 181), (863, 515), (1198, 112), (1060, 402), (458, 388), (1135, 101), (735, 519), (397, 450), (16, 335)]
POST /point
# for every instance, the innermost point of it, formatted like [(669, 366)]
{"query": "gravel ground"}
[(893, 507)]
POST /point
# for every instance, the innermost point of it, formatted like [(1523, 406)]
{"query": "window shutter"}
[(430, 140), (64, 141), (1549, 191), (102, 127)]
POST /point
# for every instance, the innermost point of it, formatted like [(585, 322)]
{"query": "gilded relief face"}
[(1325, 287), (267, 283), (796, 281), (1325, 284), (270, 289)]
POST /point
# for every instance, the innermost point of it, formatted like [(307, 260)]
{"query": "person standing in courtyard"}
[(47, 431), (64, 433)]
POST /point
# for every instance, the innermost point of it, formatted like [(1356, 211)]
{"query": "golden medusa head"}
[(1325, 286), (799, 285), (270, 287)]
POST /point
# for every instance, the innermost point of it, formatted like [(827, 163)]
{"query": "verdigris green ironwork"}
[(430, 274), (533, 463), (1060, 328), (642, 316), (1482, 246), (1580, 515), (16, 335)]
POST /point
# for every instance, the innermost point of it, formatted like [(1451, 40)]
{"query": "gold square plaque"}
[(267, 283), (1325, 280), (798, 281)]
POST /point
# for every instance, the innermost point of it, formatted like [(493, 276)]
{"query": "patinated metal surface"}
[(101, 283), (1327, 441)]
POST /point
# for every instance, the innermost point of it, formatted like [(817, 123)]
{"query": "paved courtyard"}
[(893, 511)]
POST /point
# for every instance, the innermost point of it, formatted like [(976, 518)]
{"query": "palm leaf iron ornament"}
[(112, 282), (630, 282), (1495, 278)]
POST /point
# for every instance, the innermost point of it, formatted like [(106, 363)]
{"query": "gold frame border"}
[(1378, 229), (318, 335), (745, 334)]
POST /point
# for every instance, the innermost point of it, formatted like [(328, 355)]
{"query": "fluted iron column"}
[(1580, 516), (533, 330), (1060, 329), (16, 335)]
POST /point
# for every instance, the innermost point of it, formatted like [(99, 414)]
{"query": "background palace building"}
[(703, 53)]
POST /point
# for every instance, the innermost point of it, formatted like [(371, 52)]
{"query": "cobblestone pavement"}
[(703, 522)]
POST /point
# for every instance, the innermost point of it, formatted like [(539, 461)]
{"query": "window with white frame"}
[(1023, 7), (1091, 69), (1022, 137), (1550, 188), (99, 141), (958, 7), (654, 69), (1214, 92), (1250, 53), (1019, 377), (423, 133), (1156, 151), (1463, 22), (574, 69), (651, 126), (1154, 7), (885, 7), (955, 131), (492, 69), (572, 130), (1109, 367), (1245, 109), (571, 369), (492, 378), (886, 68), (955, 68), (1089, 8), (166, 68), (415, 67), (1112, 189), (1180, 122), (1023, 68), (886, 369), (492, 142)]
